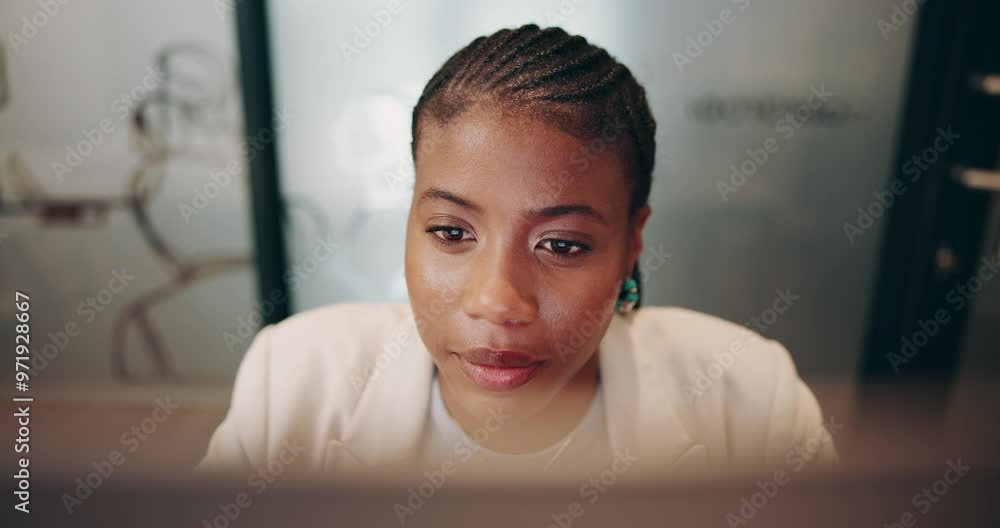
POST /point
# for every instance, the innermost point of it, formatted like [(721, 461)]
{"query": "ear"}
[(635, 235)]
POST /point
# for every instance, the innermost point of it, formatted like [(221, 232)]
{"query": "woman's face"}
[(517, 242)]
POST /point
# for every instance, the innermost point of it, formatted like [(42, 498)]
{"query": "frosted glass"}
[(782, 229)]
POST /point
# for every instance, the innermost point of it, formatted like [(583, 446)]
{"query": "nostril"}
[(485, 307)]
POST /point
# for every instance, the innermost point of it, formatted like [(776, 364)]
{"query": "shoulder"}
[(363, 320), (322, 348), (301, 379), (740, 390), (341, 328), (690, 343)]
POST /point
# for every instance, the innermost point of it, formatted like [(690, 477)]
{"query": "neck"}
[(523, 434)]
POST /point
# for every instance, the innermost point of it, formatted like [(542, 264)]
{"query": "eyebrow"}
[(435, 193), (554, 211), (568, 209)]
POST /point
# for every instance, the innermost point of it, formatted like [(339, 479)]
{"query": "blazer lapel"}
[(641, 416), (388, 422)]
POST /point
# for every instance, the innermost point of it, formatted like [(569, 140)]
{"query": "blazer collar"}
[(387, 424), (641, 415)]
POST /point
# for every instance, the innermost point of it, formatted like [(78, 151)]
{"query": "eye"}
[(564, 248), (450, 234)]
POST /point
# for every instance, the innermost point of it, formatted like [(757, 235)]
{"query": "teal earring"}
[(628, 296)]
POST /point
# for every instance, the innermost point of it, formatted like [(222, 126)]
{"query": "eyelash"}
[(581, 247)]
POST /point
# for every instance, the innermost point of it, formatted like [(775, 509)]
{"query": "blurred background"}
[(175, 175)]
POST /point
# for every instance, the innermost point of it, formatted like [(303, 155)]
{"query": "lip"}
[(498, 370)]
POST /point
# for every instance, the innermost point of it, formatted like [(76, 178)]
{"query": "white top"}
[(350, 384), (445, 440)]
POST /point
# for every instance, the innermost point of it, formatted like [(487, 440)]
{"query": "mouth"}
[(498, 370)]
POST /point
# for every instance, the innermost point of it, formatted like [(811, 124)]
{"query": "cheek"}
[(578, 318), (429, 275), (432, 286)]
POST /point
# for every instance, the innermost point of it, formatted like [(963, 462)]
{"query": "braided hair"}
[(550, 74)]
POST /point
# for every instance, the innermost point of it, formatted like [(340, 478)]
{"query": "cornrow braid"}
[(555, 76)]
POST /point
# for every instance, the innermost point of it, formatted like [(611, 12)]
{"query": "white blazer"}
[(351, 384)]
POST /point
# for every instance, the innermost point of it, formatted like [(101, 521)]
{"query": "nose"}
[(499, 290)]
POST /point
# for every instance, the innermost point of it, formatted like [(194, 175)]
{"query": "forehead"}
[(510, 159)]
